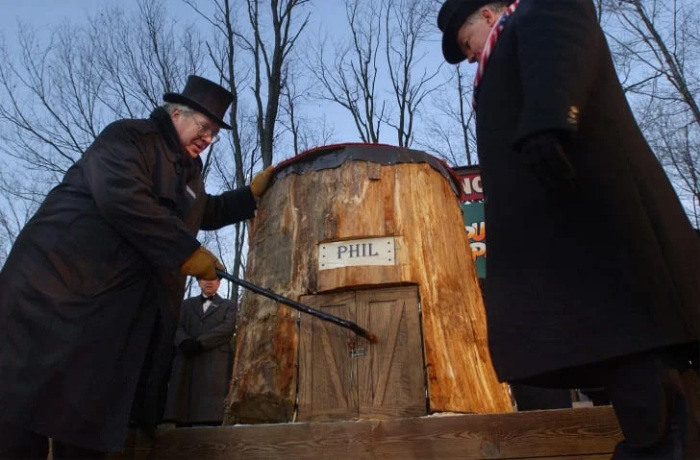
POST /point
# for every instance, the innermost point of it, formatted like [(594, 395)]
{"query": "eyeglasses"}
[(204, 131)]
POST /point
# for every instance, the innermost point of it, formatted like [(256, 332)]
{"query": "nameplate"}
[(351, 253)]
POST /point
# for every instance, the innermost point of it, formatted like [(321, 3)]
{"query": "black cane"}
[(299, 306)]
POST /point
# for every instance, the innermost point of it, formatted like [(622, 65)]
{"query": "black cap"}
[(203, 96), (452, 15)]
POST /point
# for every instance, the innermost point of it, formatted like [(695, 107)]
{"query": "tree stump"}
[(346, 197)]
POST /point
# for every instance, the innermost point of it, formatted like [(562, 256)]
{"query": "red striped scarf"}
[(488, 47)]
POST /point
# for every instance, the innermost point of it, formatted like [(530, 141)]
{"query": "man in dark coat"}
[(202, 367), (92, 287), (594, 269)]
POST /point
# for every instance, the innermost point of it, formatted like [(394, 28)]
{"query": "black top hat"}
[(203, 96), (450, 18)]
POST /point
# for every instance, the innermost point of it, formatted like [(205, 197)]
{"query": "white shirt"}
[(205, 305)]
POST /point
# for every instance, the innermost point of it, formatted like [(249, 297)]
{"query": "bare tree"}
[(305, 132), (144, 55), (450, 131), (378, 74), (272, 59), (58, 94), (657, 50), (250, 57), (15, 209), (407, 23), (684, 166), (44, 95), (349, 76)]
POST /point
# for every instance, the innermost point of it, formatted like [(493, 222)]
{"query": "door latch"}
[(357, 352)]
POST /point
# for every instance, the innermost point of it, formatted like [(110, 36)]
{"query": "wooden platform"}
[(585, 433)]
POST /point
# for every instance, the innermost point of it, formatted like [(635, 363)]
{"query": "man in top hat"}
[(593, 266), (91, 290)]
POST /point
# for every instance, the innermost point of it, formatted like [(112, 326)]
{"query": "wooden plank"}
[(383, 363), (326, 392), (392, 381), (575, 457), (306, 373), (587, 433)]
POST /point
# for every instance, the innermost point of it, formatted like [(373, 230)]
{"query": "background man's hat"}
[(452, 15), (203, 96)]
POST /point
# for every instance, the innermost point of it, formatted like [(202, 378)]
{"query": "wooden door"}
[(326, 391), (344, 377), (391, 377)]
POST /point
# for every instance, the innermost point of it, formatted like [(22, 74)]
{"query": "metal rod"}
[(299, 306)]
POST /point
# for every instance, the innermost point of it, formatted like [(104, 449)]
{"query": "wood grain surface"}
[(585, 433), (410, 202)]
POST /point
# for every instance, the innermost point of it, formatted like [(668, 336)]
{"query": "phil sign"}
[(349, 253)]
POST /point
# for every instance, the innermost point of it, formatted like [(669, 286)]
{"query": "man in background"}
[(204, 358)]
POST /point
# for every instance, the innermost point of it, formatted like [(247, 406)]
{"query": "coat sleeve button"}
[(572, 116)]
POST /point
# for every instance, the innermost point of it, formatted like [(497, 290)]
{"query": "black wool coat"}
[(91, 291), (608, 270), (199, 384)]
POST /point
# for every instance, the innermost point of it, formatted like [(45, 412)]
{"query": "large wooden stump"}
[(373, 234)]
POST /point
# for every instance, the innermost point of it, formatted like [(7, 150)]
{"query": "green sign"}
[(473, 214)]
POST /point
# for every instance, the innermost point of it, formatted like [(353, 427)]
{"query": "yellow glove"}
[(202, 264), (260, 181)]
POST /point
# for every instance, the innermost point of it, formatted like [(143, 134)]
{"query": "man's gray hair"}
[(171, 106), (496, 7)]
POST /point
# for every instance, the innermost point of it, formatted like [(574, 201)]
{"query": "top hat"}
[(452, 15), (203, 96)]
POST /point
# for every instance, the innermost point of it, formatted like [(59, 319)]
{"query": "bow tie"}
[(210, 299)]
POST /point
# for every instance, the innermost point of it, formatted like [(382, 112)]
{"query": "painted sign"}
[(474, 222), (349, 253), (471, 186), (473, 214)]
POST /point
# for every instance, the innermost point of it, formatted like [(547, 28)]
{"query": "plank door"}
[(326, 390), (343, 376), (391, 377)]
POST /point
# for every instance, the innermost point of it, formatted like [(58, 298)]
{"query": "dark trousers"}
[(19, 444), (656, 397)]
